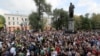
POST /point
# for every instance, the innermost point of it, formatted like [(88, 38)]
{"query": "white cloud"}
[(23, 6), (91, 6), (94, 8), (54, 3), (2, 11)]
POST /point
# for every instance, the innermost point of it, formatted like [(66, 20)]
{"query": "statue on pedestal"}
[(71, 20)]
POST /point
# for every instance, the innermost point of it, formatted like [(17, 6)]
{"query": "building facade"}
[(16, 22)]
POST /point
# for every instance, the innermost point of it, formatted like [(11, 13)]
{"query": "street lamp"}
[(4, 27), (25, 25), (21, 26)]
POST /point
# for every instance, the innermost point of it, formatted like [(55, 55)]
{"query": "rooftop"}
[(16, 15)]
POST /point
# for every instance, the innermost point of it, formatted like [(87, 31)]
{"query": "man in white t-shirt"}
[(13, 51), (54, 53), (28, 53), (0, 44)]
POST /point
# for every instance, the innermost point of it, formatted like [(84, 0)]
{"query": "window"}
[(13, 18), (8, 23), (13, 23), (8, 18)]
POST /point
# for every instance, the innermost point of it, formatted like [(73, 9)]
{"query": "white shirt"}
[(28, 53), (98, 43), (13, 43), (0, 44), (8, 44), (13, 50), (54, 53)]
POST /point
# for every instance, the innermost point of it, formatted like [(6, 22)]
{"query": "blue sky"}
[(27, 6)]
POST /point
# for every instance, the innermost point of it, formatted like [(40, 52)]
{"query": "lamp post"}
[(4, 27), (25, 25), (21, 25)]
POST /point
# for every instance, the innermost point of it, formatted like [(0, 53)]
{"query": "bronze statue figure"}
[(71, 10)]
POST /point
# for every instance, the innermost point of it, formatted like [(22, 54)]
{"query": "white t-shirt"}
[(13, 50), (8, 44), (0, 44), (28, 53), (13, 43), (54, 53)]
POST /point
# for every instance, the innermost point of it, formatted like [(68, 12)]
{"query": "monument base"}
[(70, 32), (70, 26)]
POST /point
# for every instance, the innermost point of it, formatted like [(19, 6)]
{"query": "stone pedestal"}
[(71, 25)]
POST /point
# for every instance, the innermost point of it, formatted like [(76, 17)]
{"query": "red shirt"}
[(94, 52), (58, 49), (98, 52)]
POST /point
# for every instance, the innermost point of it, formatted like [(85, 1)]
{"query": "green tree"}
[(48, 9), (85, 22), (2, 22), (59, 18), (34, 21), (95, 19), (43, 23), (35, 17), (77, 22), (42, 6)]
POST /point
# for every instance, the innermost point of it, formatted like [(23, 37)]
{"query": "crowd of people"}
[(50, 43)]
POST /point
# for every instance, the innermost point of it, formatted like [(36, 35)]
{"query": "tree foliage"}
[(86, 22), (77, 22), (2, 22), (59, 19), (95, 21), (42, 6), (35, 18)]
